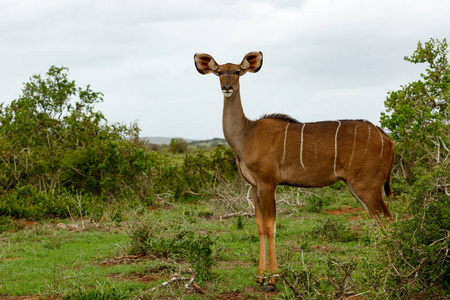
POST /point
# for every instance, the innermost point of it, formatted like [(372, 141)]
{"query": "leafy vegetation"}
[(418, 115), (174, 242), (418, 243), (180, 241), (118, 218), (59, 155)]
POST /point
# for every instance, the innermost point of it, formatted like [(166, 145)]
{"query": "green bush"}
[(303, 283), (315, 203), (175, 243), (56, 149), (203, 171), (418, 118), (29, 203), (419, 244), (335, 230), (6, 224), (178, 145)]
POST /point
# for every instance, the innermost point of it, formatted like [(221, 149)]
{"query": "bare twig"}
[(174, 280), (243, 214)]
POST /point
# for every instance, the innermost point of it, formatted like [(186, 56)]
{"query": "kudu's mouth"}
[(227, 93)]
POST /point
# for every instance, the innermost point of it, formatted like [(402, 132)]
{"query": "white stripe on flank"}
[(335, 147), (368, 140), (301, 147), (285, 138), (315, 148), (382, 142), (353, 150)]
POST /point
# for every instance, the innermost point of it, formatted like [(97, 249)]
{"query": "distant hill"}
[(159, 140), (208, 143)]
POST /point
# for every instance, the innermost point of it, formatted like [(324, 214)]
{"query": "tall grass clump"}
[(176, 243)]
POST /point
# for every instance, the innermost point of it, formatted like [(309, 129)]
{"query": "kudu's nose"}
[(227, 87)]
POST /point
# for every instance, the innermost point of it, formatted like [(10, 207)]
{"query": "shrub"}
[(419, 245), (335, 230), (29, 203), (6, 224), (178, 145), (303, 283), (175, 243), (315, 203)]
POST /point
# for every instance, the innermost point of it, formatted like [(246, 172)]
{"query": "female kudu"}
[(277, 149)]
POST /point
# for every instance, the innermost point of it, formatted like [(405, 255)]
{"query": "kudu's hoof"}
[(269, 288), (260, 280)]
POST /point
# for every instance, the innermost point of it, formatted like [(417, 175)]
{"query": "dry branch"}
[(243, 214), (174, 280)]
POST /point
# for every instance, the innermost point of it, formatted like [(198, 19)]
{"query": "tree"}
[(53, 139), (418, 114), (178, 145), (39, 129), (418, 118)]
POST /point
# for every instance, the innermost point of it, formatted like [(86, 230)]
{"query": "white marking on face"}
[(227, 93), (285, 138), (353, 150), (301, 147), (335, 147)]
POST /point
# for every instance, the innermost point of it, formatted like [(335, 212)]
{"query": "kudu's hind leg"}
[(371, 198)]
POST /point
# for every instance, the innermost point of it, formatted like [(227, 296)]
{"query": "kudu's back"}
[(323, 153)]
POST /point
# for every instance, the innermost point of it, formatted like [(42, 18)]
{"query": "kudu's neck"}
[(235, 124)]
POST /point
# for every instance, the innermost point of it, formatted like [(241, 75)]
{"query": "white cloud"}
[(320, 56)]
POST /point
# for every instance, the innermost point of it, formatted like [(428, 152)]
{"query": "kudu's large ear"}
[(205, 63), (252, 62)]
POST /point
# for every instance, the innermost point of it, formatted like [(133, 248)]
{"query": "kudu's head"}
[(228, 73)]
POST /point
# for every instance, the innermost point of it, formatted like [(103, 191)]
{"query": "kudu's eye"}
[(237, 72), (219, 73)]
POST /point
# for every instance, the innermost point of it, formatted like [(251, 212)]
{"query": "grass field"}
[(324, 242)]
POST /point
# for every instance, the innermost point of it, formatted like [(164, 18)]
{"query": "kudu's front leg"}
[(264, 198), (262, 267)]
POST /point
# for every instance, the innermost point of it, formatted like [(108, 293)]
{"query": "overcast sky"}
[(323, 59)]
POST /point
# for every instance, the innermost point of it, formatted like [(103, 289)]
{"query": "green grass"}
[(95, 263)]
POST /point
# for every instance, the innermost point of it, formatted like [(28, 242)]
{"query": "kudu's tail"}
[(387, 184), (388, 189)]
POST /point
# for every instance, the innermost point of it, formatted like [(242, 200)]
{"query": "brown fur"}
[(281, 117), (278, 149)]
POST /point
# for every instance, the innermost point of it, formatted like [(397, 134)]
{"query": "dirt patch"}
[(26, 223), (121, 260), (354, 218), (137, 276), (321, 248), (343, 210), (346, 210), (11, 258), (245, 294), (230, 296)]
